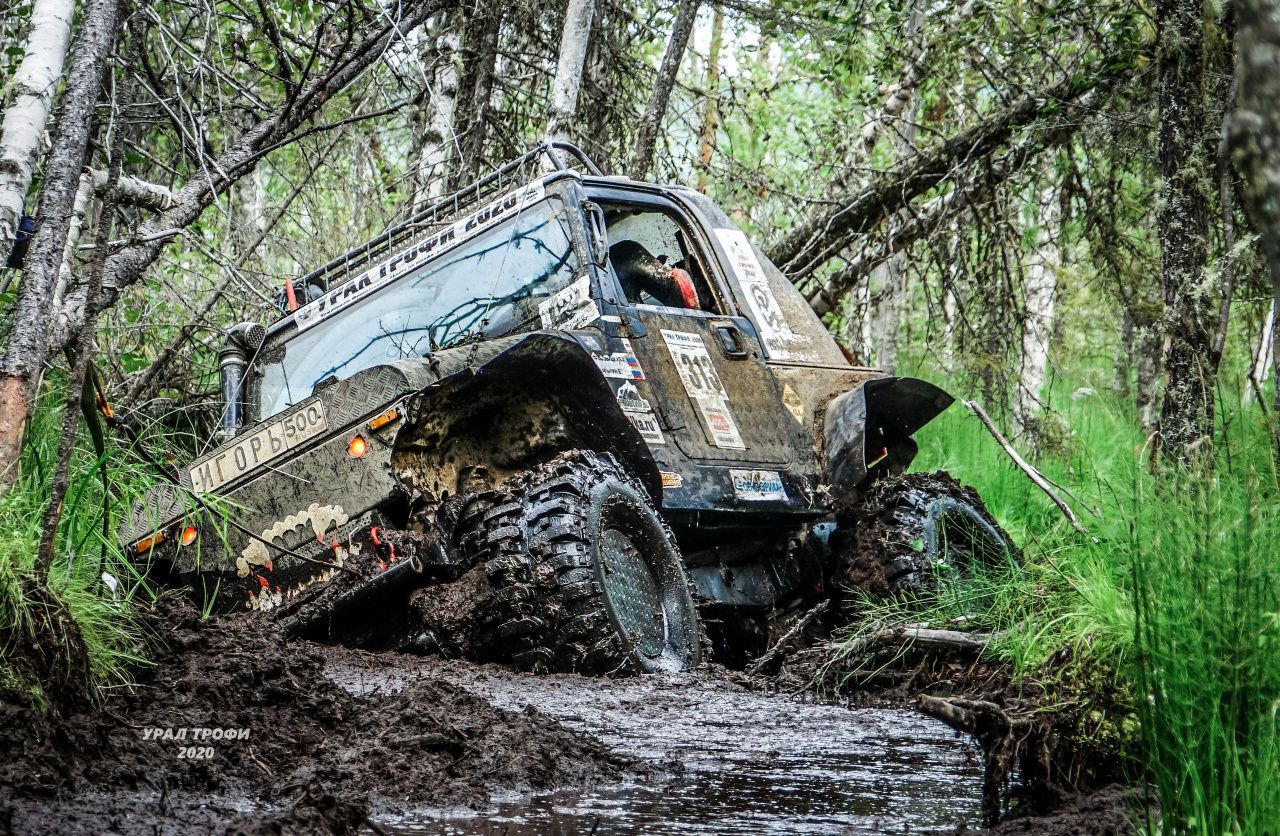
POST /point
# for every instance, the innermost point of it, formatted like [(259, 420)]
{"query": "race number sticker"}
[(698, 374), (775, 332), (758, 485), (570, 308)]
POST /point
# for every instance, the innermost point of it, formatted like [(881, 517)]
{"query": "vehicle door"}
[(714, 397)]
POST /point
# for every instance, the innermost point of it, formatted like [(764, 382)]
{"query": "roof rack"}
[(446, 210)]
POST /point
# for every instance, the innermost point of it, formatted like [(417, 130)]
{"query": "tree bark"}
[(711, 107), (475, 93), (27, 348), (1186, 413), (647, 137), (1255, 140), (28, 110), (432, 169), (573, 55), (1037, 322)]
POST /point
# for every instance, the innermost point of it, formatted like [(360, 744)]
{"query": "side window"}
[(653, 257)]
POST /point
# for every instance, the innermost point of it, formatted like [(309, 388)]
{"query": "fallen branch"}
[(779, 648), (135, 192), (1032, 474), (934, 639), (988, 724)]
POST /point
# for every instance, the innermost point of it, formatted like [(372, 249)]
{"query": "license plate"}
[(258, 447)]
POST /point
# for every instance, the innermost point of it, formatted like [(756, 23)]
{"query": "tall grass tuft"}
[(1206, 588), (108, 632)]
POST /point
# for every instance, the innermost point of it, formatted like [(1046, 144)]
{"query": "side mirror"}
[(596, 231)]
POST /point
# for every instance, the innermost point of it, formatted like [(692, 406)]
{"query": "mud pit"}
[(731, 760)]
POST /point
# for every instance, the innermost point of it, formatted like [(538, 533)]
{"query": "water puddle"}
[(751, 762)]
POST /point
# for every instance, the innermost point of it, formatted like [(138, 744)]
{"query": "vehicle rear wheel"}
[(915, 531), (586, 576)]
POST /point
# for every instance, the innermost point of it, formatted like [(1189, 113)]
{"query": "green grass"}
[(1175, 599), (114, 637)]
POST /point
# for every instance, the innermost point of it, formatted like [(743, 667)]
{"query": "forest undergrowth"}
[(1163, 620)]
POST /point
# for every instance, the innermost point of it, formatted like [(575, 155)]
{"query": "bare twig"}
[(1032, 474), (779, 648)]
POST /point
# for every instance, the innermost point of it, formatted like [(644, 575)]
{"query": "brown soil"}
[(317, 758)]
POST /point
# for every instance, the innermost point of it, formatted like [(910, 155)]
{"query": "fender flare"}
[(879, 415), (543, 389)]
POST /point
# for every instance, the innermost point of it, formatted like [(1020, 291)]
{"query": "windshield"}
[(487, 287)]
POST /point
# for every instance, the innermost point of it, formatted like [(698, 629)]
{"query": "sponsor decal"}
[(646, 423), (630, 400), (758, 485), (570, 308), (671, 480), (702, 384), (415, 255), (775, 331), (620, 365)]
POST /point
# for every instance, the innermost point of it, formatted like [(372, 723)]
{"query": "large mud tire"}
[(586, 576), (915, 531)]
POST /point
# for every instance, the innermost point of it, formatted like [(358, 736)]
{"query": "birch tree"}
[(651, 122), (573, 55), (25, 117), (27, 346)]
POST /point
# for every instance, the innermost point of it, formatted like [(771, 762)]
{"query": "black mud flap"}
[(872, 426)]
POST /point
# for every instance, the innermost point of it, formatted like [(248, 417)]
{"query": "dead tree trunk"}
[(647, 138), (28, 111), (711, 107), (573, 54), (1186, 414), (1255, 139), (27, 347)]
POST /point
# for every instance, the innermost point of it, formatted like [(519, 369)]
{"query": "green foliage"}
[(1178, 593), (113, 637)]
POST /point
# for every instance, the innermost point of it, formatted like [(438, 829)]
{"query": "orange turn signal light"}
[(390, 416), (189, 535), (146, 544), (358, 447)]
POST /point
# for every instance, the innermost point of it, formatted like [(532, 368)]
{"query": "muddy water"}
[(731, 760)]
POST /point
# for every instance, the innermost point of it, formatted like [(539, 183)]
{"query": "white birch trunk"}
[(439, 138), (28, 111), (573, 54), (70, 252), (1037, 324), (1260, 364)]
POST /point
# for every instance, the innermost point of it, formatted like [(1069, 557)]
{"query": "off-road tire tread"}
[(876, 546), (537, 558)]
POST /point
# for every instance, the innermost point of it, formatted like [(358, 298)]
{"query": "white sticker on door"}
[(775, 331), (570, 308), (698, 374), (758, 485)]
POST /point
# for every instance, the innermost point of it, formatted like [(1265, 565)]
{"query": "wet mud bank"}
[(237, 731)]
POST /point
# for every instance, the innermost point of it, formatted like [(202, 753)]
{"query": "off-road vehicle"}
[(575, 408)]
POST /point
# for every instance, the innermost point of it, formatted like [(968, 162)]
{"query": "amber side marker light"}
[(358, 447), (390, 416), (189, 535), (146, 544)]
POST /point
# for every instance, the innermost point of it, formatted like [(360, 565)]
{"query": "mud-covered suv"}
[(547, 420)]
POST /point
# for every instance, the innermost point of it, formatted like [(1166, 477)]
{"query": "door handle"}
[(732, 342)]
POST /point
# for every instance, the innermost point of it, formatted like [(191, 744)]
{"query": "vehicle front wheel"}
[(586, 576), (914, 531)]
